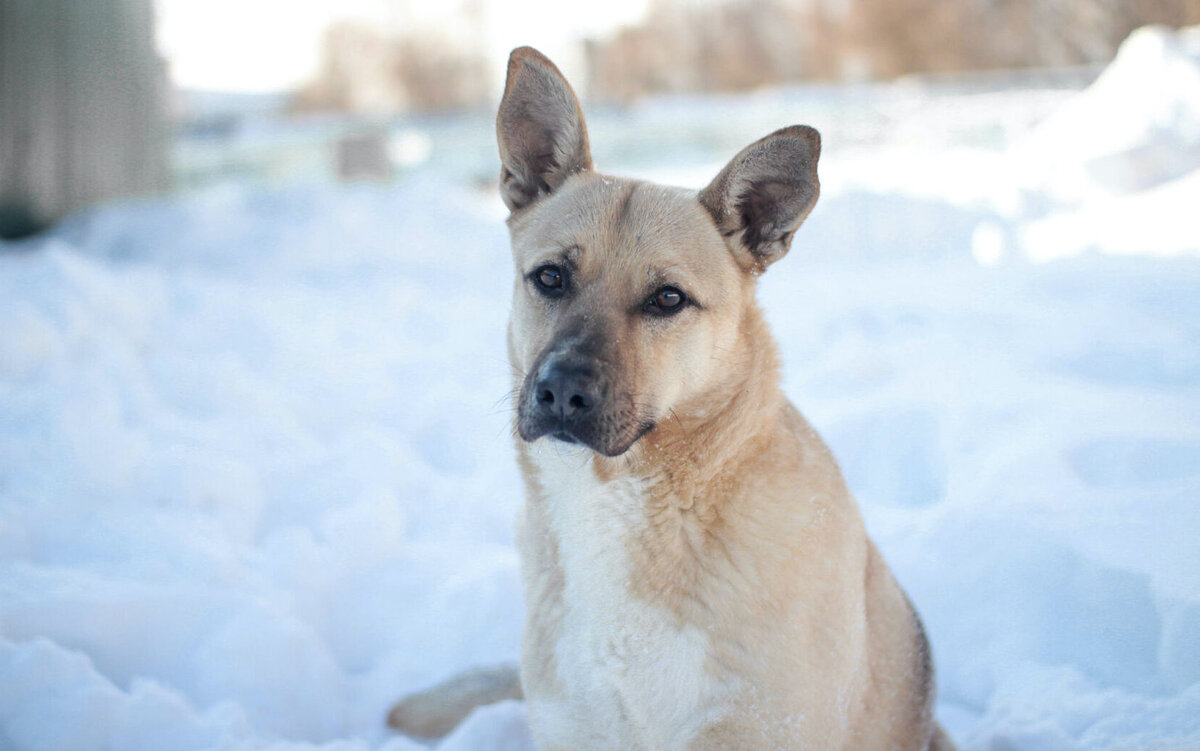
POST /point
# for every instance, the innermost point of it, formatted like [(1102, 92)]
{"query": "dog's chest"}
[(634, 675)]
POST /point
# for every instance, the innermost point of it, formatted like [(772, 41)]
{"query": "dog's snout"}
[(568, 391)]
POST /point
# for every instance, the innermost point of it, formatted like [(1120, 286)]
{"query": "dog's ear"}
[(543, 139), (764, 193)]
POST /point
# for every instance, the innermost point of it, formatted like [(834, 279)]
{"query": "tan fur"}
[(697, 575), (434, 713)]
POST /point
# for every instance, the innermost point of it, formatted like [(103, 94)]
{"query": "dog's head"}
[(629, 296)]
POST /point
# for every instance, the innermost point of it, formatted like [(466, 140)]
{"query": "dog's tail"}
[(436, 711)]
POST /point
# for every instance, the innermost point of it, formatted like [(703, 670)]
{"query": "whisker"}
[(508, 396), (677, 420)]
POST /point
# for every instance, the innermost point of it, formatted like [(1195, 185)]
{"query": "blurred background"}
[(111, 98), (256, 472)]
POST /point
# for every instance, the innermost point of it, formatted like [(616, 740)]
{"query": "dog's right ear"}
[(764, 194), (543, 139)]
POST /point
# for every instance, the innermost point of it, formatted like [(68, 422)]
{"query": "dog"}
[(696, 572)]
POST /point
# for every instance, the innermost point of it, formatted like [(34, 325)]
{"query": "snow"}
[(256, 476), (1137, 125)]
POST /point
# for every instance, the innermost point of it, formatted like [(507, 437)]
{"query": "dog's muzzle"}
[(563, 401), (569, 396)]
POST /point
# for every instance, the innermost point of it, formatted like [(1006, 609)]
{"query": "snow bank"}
[(1137, 126), (246, 439), (1160, 221), (1112, 169), (256, 476), (1119, 164)]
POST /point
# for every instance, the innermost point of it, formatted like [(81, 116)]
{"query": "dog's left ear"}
[(764, 194), (542, 136)]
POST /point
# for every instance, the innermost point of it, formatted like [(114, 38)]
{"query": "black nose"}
[(568, 391)]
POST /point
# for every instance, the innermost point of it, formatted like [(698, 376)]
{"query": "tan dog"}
[(696, 573)]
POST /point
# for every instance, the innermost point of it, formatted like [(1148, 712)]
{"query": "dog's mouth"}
[(564, 436), (610, 444)]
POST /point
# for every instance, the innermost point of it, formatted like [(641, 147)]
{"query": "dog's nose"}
[(567, 390)]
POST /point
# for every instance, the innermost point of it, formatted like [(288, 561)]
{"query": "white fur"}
[(618, 656)]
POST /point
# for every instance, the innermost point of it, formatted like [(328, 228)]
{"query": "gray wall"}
[(82, 107)]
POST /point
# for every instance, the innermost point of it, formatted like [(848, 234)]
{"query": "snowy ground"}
[(255, 458)]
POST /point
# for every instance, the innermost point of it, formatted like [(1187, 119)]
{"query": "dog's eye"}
[(550, 280), (666, 301)]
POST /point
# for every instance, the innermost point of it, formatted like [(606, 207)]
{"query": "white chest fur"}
[(634, 677)]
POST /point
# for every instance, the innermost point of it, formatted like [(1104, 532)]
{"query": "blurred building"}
[(82, 98)]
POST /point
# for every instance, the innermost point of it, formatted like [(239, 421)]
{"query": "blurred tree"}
[(935, 36), (713, 45), (82, 107), (366, 70)]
